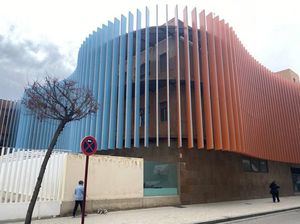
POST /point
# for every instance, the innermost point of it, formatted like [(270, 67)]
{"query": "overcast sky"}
[(39, 37)]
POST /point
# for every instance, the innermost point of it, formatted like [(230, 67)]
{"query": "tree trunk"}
[(42, 172)]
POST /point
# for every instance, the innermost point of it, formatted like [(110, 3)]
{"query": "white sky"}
[(43, 36)]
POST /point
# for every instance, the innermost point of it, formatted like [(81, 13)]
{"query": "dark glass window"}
[(296, 178), (163, 111), (254, 165), (263, 166), (163, 62), (246, 165), (142, 71), (142, 117)]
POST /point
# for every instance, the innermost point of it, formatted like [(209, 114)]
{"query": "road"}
[(289, 217)]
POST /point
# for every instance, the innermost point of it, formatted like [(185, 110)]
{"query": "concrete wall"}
[(109, 177), (17, 211), (120, 204)]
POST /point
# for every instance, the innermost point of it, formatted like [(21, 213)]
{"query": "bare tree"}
[(63, 101)]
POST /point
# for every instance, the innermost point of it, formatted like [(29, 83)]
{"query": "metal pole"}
[(85, 189)]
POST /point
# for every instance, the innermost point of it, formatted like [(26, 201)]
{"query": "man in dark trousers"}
[(78, 195), (274, 191)]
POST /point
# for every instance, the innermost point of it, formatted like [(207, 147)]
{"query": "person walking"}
[(78, 195), (274, 191)]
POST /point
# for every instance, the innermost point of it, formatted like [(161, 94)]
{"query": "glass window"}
[(263, 167), (296, 182), (142, 71), (296, 178), (163, 62), (142, 117), (254, 165), (163, 111), (246, 165), (160, 178)]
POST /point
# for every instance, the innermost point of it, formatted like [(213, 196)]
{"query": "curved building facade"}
[(9, 118), (184, 84)]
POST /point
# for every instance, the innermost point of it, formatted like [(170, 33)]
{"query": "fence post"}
[(19, 176), (2, 172), (15, 169), (9, 165), (25, 186)]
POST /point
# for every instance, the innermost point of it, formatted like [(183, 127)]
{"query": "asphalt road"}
[(289, 217)]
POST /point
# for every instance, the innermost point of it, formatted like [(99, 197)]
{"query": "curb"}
[(247, 216)]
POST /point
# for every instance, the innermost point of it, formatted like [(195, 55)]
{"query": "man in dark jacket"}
[(274, 191)]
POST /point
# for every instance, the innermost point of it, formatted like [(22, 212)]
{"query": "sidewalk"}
[(198, 213)]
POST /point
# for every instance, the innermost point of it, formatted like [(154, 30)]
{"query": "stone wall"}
[(210, 176)]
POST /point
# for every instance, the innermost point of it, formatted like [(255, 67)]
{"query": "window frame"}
[(255, 162), (160, 184)]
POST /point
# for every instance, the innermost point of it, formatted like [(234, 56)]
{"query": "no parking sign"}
[(88, 147)]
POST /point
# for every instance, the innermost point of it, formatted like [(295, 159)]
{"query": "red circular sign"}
[(89, 145)]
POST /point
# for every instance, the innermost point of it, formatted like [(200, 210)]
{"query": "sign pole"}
[(88, 147), (85, 188)]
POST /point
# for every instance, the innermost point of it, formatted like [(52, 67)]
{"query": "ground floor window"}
[(160, 179), (296, 178)]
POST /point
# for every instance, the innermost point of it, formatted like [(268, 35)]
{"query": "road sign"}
[(89, 145)]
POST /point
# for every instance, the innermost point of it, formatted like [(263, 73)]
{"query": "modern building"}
[(209, 120), (9, 118), (289, 74)]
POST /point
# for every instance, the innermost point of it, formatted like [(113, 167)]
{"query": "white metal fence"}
[(19, 169)]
